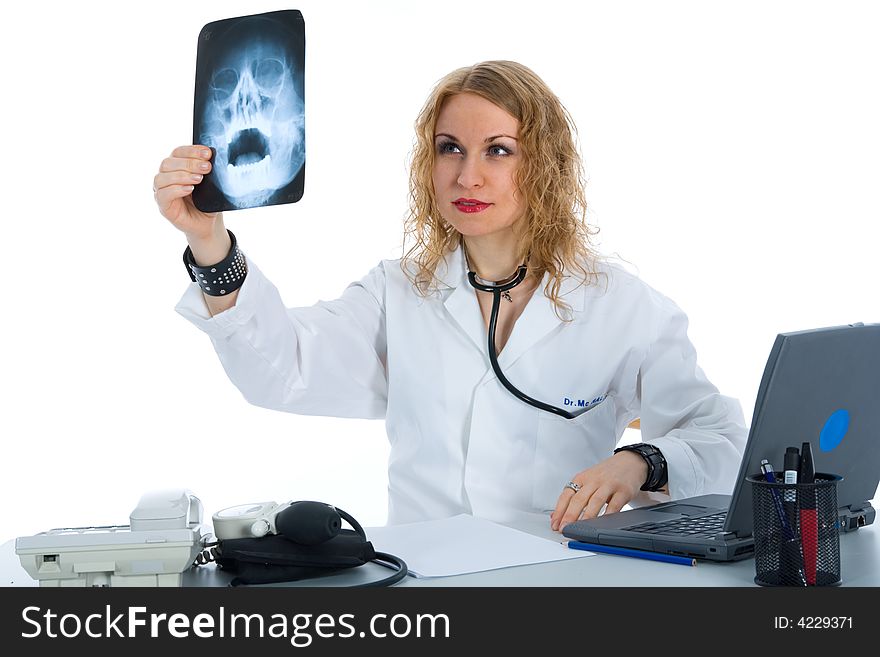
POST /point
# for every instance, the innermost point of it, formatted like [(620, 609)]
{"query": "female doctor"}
[(506, 357)]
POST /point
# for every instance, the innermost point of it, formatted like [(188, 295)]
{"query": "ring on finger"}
[(574, 486)]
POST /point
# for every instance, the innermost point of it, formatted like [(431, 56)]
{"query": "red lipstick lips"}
[(470, 205)]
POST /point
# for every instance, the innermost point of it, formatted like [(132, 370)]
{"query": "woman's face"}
[(476, 156)]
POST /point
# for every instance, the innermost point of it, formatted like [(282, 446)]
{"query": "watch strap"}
[(658, 475)]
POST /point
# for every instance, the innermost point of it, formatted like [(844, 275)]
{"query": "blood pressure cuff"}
[(274, 558)]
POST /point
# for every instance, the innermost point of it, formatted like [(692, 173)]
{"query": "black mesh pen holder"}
[(796, 532)]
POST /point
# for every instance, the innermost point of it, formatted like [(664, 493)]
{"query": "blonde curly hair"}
[(554, 237)]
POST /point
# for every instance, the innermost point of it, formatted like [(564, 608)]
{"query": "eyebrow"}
[(486, 140)]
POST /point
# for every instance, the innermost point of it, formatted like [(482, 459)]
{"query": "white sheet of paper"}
[(465, 544)]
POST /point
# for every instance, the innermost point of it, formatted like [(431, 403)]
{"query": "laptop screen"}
[(819, 386)]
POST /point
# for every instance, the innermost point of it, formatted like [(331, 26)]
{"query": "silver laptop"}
[(810, 378)]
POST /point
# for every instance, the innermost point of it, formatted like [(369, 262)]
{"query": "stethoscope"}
[(497, 288)]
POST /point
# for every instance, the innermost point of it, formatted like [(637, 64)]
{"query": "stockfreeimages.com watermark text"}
[(300, 629)]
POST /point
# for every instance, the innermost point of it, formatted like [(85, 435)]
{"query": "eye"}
[(448, 147), (499, 151)]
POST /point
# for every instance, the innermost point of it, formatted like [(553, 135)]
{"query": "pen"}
[(770, 476), (809, 520), (792, 465), (638, 554), (790, 548)]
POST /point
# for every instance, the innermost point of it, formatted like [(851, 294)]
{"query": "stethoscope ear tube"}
[(502, 286)]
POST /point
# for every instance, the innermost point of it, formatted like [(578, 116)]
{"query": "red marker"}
[(809, 520)]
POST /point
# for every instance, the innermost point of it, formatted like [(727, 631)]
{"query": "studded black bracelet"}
[(222, 278)]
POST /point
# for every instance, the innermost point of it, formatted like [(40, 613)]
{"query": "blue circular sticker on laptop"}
[(834, 430)]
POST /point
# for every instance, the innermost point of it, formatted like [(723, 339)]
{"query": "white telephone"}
[(164, 536)]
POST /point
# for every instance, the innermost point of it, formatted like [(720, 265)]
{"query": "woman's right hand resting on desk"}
[(205, 232)]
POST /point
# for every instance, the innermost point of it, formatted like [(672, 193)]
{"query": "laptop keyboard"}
[(694, 526)]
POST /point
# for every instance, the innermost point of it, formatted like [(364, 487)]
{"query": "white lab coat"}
[(460, 442)]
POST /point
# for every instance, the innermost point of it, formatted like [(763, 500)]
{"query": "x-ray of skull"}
[(249, 108)]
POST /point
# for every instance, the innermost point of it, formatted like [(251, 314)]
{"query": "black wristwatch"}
[(657, 472)]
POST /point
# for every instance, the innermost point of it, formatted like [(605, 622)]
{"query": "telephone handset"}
[(267, 543), (166, 509)]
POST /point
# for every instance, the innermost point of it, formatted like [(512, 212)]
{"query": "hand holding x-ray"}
[(249, 110), (179, 175)]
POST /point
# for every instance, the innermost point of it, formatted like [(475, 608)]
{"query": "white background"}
[(732, 155)]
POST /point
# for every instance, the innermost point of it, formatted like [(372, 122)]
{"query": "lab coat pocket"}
[(565, 447)]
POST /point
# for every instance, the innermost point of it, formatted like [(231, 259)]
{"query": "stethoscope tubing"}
[(497, 289)]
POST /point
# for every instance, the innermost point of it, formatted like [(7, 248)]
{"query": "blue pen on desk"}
[(638, 554)]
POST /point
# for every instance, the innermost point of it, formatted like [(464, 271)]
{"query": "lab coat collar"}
[(537, 320)]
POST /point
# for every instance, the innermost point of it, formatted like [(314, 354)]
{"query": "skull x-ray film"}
[(250, 109)]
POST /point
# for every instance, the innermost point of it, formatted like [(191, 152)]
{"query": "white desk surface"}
[(860, 566)]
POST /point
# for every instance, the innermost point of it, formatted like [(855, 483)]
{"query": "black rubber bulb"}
[(308, 523)]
